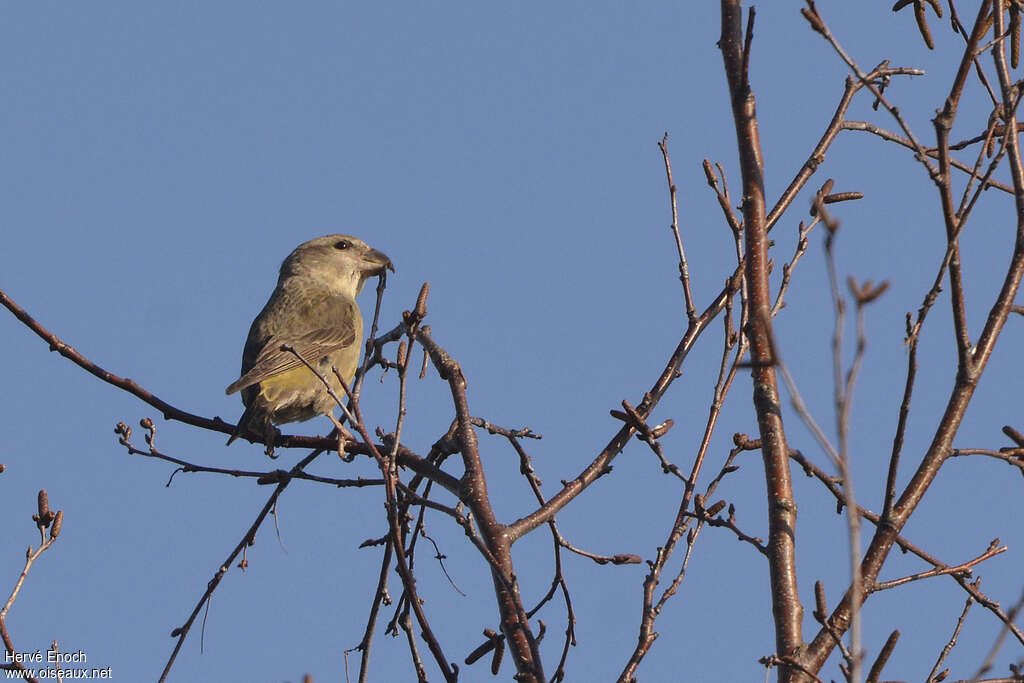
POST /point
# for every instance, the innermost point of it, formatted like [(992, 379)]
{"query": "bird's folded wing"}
[(312, 346)]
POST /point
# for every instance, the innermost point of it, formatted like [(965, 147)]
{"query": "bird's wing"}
[(334, 329)]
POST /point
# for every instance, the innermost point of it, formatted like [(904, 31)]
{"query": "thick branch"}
[(786, 606), (514, 622)]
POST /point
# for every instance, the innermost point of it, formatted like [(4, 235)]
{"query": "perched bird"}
[(313, 310)]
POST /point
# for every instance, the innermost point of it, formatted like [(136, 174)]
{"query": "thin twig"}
[(952, 639), (684, 270)]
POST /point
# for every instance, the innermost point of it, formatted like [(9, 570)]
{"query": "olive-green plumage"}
[(313, 310)]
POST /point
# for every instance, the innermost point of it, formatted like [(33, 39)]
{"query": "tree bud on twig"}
[(1014, 435), (499, 652), (883, 657), (660, 430), (842, 197), (821, 607), (715, 509), (58, 524), (421, 301), (709, 173)]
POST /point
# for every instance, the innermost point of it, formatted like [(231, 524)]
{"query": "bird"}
[(312, 310)]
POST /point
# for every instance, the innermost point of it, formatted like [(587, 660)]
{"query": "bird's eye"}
[(342, 245)]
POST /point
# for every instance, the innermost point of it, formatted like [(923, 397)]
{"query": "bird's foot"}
[(343, 436), (269, 437)]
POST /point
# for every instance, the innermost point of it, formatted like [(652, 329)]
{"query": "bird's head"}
[(342, 263)]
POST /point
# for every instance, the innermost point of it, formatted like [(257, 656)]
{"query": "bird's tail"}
[(244, 425), (256, 425)]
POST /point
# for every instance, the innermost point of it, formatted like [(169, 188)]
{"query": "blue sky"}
[(159, 161)]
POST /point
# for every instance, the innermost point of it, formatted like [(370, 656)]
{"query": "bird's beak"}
[(377, 262)]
